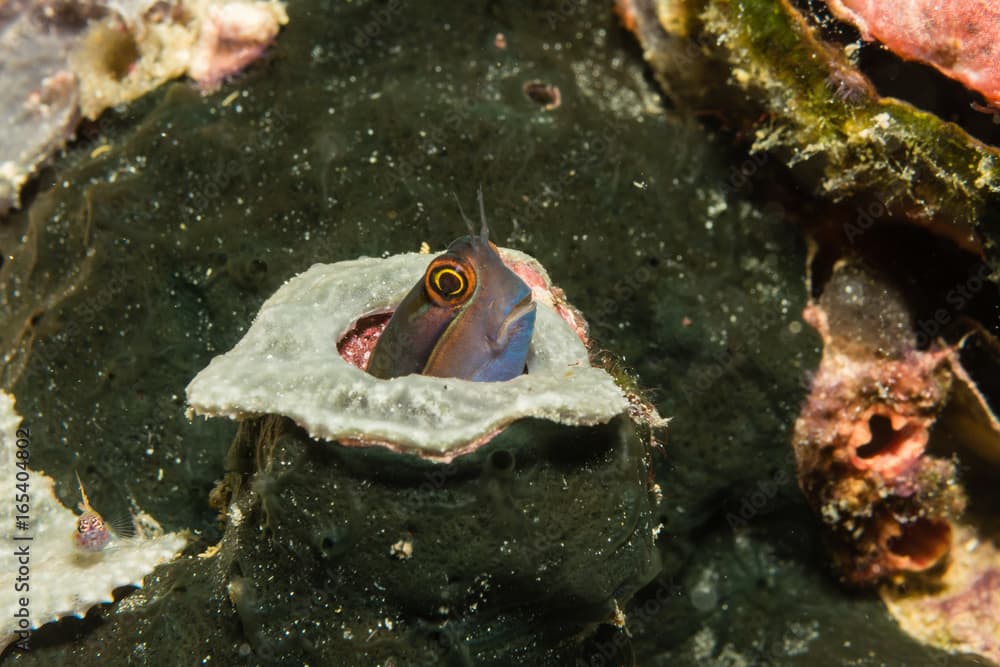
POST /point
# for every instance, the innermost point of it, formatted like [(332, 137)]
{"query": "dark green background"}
[(131, 270)]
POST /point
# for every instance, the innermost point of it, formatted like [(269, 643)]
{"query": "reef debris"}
[(48, 575), (860, 439), (897, 452), (764, 70), (40, 93), (233, 34)]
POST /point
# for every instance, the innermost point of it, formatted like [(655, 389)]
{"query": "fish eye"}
[(448, 281)]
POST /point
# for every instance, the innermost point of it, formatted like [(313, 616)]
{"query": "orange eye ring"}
[(448, 282)]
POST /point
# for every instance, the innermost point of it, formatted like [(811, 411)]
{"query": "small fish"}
[(92, 532), (469, 317)]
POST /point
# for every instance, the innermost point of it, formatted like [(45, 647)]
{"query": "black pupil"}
[(450, 283)]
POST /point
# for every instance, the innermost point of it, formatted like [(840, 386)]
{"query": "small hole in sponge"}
[(885, 439), (110, 51), (923, 541), (543, 93)]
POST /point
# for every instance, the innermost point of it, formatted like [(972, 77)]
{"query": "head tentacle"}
[(484, 232), (461, 211)]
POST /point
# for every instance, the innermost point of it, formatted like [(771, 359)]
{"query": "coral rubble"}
[(960, 611), (125, 56), (233, 35), (41, 98)]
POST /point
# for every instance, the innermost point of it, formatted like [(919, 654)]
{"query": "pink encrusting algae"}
[(960, 38)]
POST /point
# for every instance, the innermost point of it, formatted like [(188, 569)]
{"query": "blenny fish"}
[(469, 317), (92, 532)]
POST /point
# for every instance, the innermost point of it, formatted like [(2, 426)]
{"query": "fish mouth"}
[(523, 308)]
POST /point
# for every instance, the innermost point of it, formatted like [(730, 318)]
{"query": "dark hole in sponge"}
[(502, 460), (924, 541), (884, 438)]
